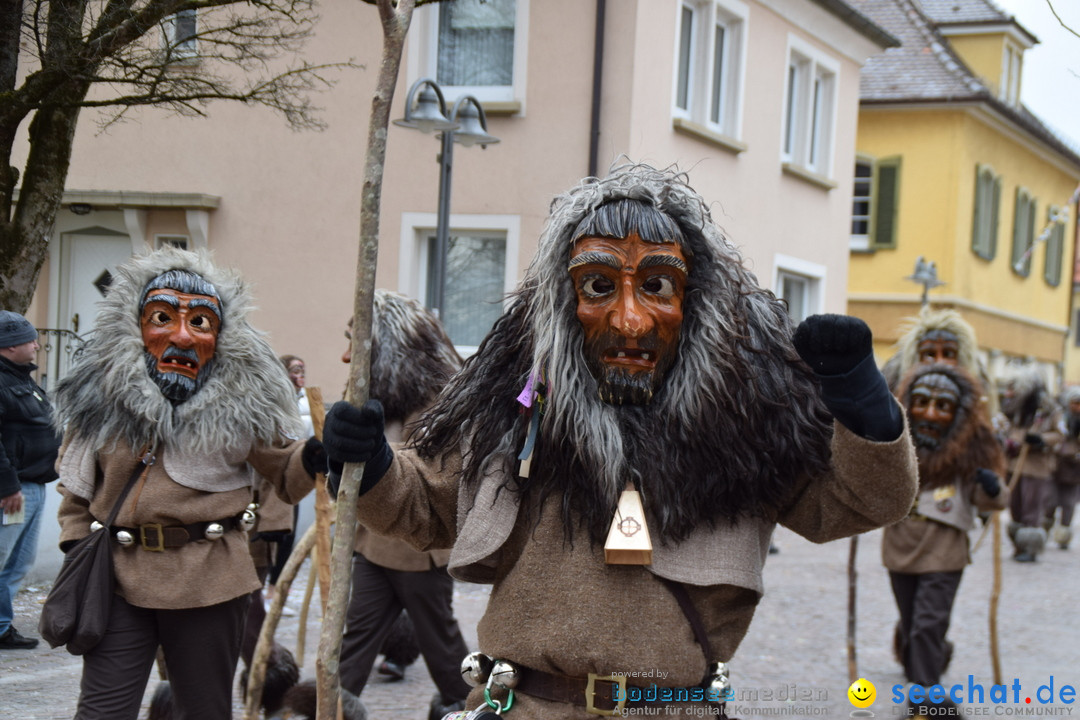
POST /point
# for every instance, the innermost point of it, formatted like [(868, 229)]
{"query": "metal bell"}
[(719, 668), (504, 675), (249, 516), (476, 668), (95, 526), (125, 538), (214, 531)]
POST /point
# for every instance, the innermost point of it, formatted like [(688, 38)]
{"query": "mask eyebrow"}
[(663, 261), (166, 298), (595, 257), (206, 303)]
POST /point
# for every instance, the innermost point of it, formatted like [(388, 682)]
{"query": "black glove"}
[(313, 456), (839, 349), (352, 435), (1074, 426), (1034, 440), (833, 344), (989, 481)]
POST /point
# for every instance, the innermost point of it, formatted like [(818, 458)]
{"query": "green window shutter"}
[(1055, 245), (995, 213), (886, 202), (1021, 264)]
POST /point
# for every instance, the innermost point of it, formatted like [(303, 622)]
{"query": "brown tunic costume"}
[(207, 571), (527, 622)]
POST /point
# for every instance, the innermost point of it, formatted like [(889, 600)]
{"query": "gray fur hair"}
[(109, 394)]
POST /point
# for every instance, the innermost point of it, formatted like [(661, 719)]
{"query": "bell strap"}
[(679, 591)]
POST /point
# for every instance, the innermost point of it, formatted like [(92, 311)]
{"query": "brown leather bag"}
[(76, 610)]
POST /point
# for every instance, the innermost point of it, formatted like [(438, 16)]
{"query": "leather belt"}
[(596, 693), (157, 538)]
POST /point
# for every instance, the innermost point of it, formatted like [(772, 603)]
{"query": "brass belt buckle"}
[(590, 690), (159, 545)]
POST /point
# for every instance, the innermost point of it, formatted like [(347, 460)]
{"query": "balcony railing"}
[(59, 350)]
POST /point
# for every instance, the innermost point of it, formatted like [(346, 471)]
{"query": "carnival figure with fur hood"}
[(638, 358), (412, 359), (1032, 434), (177, 397), (939, 336), (960, 468), (1065, 481)]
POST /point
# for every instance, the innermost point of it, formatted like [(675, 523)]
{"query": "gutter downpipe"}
[(598, 80)]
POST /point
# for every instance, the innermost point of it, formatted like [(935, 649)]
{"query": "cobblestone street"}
[(793, 662)]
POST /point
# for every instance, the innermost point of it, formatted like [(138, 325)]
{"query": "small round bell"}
[(125, 538), (248, 518), (476, 668), (95, 526), (504, 675), (214, 531), (718, 685), (719, 668)]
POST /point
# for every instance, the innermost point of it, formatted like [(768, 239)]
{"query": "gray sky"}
[(1051, 78)]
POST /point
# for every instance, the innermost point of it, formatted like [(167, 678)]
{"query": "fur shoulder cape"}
[(109, 395)]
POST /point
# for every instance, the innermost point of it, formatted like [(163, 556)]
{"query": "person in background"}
[(1065, 487), (28, 447)]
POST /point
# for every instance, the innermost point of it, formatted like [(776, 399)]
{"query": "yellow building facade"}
[(953, 170)]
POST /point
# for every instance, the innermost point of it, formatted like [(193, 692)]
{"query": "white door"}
[(90, 264)]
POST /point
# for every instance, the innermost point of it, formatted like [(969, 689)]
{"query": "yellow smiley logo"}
[(862, 693)]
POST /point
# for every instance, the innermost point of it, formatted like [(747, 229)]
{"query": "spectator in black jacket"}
[(28, 447)]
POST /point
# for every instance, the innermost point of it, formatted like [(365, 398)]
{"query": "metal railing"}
[(58, 352)]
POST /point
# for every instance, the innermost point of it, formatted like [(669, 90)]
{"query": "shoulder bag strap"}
[(146, 461)]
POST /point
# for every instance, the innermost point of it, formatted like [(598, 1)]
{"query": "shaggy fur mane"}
[(411, 356), (970, 443), (109, 394), (734, 427)]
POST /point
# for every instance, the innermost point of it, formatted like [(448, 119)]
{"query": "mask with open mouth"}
[(630, 294), (180, 330)]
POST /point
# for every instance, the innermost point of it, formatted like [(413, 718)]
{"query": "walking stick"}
[(852, 665), (995, 592), (323, 507), (395, 18)]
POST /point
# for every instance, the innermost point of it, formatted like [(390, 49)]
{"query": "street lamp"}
[(926, 275), (425, 110)]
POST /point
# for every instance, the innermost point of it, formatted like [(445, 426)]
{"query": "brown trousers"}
[(925, 602), (201, 647)]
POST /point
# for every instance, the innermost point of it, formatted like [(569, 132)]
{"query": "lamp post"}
[(926, 275), (425, 110)]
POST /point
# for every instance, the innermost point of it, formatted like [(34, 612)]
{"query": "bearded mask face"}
[(179, 332), (630, 295), (932, 407)]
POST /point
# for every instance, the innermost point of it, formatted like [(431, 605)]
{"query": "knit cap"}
[(15, 329)]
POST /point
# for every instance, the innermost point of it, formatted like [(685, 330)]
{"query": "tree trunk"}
[(395, 22), (24, 239)]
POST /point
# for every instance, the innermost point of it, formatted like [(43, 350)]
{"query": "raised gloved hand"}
[(988, 481), (1035, 440), (839, 349), (313, 456), (833, 344), (355, 435)]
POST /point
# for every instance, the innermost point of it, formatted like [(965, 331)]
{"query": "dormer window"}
[(1012, 61)]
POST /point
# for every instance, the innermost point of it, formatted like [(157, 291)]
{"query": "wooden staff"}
[(323, 508), (995, 592), (259, 658), (395, 16), (852, 664)]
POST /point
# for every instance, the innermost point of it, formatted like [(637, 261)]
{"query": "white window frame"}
[(186, 50), (808, 127), (707, 16), (424, 57), (813, 273), (413, 256), (861, 241), (1012, 64)]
